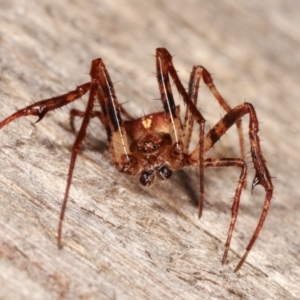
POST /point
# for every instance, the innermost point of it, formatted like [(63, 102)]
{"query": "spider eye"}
[(164, 173), (148, 148), (147, 178)]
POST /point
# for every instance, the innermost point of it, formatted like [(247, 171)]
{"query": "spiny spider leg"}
[(209, 82), (102, 90), (42, 107), (78, 143), (262, 175), (165, 67), (197, 73), (78, 113), (193, 89), (230, 162), (168, 101), (113, 123)]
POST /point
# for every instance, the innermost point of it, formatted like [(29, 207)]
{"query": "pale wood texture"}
[(122, 241)]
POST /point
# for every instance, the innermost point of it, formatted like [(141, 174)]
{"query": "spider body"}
[(155, 145), (152, 146)]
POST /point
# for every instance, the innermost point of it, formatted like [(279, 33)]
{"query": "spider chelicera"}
[(154, 145)]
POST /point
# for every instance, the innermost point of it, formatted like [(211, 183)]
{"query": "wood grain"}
[(122, 241)]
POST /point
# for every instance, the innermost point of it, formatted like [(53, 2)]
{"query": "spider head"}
[(152, 150), (161, 173)]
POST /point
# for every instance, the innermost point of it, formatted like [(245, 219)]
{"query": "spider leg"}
[(103, 91), (78, 143), (262, 175), (78, 113), (209, 82), (189, 119), (168, 99), (164, 68), (113, 123), (197, 73), (231, 162), (42, 107)]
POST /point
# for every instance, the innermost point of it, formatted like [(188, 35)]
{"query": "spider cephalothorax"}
[(153, 146)]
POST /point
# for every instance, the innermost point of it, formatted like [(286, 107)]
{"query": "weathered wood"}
[(122, 241)]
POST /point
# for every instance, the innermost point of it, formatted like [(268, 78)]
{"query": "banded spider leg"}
[(196, 158)]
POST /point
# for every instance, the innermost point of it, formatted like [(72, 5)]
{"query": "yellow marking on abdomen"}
[(147, 122)]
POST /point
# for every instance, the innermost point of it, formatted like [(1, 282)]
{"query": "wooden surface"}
[(122, 241)]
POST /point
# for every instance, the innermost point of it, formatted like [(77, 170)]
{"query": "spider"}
[(155, 145)]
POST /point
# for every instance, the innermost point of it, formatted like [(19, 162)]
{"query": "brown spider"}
[(155, 145)]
